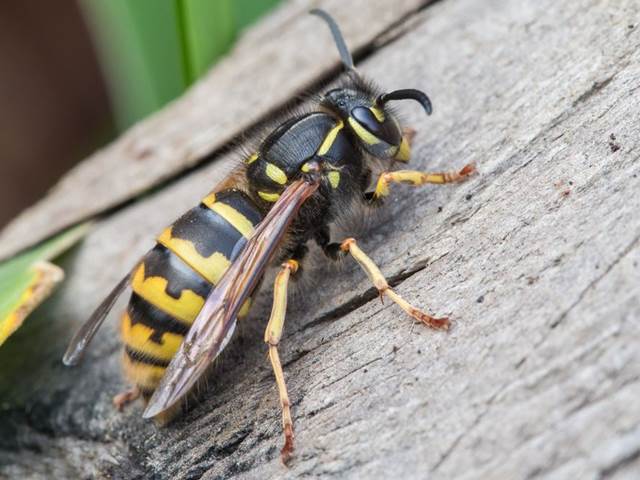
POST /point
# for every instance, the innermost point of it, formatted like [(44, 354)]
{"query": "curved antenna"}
[(345, 55), (407, 94)]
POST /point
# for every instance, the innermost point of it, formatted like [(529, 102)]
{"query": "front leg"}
[(412, 177), (416, 178)]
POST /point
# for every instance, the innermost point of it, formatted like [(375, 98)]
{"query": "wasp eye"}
[(375, 122), (367, 119)]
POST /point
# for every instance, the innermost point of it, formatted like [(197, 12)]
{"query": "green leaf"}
[(152, 50), (207, 30), (140, 49), (246, 12), (28, 279)]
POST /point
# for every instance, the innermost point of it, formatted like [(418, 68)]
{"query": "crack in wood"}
[(476, 421), (626, 460), (363, 298), (593, 284)]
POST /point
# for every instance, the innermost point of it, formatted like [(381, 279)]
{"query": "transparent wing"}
[(87, 331), (212, 328)]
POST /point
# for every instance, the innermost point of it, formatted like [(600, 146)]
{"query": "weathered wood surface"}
[(537, 259), (267, 68)]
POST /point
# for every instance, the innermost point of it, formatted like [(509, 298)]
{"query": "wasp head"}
[(375, 126), (365, 112)]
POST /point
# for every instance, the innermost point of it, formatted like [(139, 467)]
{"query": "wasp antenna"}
[(407, 94), (345, 55)]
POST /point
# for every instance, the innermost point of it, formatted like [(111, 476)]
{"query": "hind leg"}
[(123, 399)]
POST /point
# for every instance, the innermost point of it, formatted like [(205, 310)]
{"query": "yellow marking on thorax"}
[(276, 174), (231, 215), (363, 133), (252, 159), (153, 289), (269, 197), (334, 178), (209, 199), (138, 336), (329, 139), (211, 267), (142, 374), (378, 113)]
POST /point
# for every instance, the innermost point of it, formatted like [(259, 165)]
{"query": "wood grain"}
[(537, 260)]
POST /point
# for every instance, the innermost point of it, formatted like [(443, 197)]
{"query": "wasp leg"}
[(416, 179), (373, 272), (123, 399), (272, 336)]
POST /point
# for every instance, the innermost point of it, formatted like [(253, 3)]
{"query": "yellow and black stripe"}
[(286, 152), (173, 280)]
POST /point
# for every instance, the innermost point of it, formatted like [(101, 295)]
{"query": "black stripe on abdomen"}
[(143, 312), (162, 262), (141, 357), (241, 202), (207, 231)]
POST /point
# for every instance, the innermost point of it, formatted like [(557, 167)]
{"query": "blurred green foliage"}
[(152, 50)]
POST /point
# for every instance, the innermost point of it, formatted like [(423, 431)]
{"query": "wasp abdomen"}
[(173, 280)]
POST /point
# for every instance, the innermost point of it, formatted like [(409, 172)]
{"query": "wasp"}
[(192, 287)]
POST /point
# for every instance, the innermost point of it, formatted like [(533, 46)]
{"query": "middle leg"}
[(272, 336), (373, 272)]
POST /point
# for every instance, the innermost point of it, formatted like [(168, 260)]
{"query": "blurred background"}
[(75, 73)]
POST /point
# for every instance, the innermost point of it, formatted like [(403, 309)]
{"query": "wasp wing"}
[(213, 326), (87, 331)]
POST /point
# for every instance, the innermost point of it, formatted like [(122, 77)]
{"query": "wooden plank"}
[(536, 259)]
